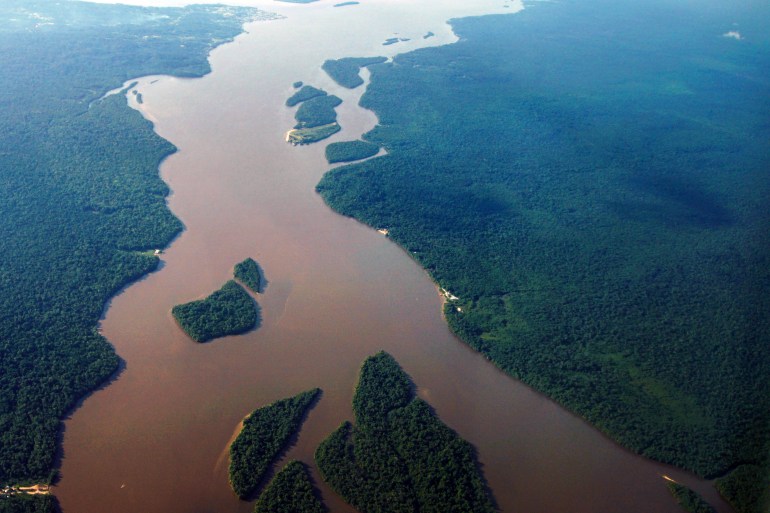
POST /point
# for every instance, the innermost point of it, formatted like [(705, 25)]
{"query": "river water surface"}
[(155, 440)]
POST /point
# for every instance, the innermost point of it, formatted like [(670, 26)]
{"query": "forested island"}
[(688, 499), (248, 273), (348, 151), (81, 200), (228, 311), (264, 436), (580, 178), (399, 456), (316, 117), (346, 71), (290, 491)]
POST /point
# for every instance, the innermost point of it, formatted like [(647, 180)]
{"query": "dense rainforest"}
[(248, 273), (590, 179), (400, 457), (348, 151), (290, 491), (316, 115), (264, 435), (80, 198), (346, 71), (227, 311), (688, 499)]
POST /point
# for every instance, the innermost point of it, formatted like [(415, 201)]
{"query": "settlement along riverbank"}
[(337, 292)]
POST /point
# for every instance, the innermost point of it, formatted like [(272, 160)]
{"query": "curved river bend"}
[(155, 440)]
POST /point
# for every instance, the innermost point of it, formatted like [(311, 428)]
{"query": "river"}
[(155, 439)]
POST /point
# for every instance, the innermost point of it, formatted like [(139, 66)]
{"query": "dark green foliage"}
[(345, 71), (306, 93), (80, 196), (348, 151), (317, 111), (688, 499), (599, 208), (248, 273), (399, 457), (265, 434), (228, 311), (747, 489), (290, 492), (23, 503)]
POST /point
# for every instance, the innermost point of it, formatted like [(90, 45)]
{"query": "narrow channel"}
[(155, 439)]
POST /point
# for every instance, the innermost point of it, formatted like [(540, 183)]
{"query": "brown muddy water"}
[(155, 440)]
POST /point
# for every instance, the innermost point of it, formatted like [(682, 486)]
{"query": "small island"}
[(343, 4), (317, 111), (687, 498), (228, 311), (290, 492), (306, 93), (297, 84), (265, 434), (346, 71), (390, 41), (399, 456), (297, 136), (249, 273), (348, 151), (316, 117)]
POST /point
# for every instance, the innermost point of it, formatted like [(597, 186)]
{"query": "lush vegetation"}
[(591, 180), (80, 196), (348, 151), (249, 273), (23, 503), (747, 488), (688, 499), (316, 117), (318, 111), (290, 491), (346, 71), (311, 135), (265, 434), (228, 311), (399, 457), (304, 94)]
